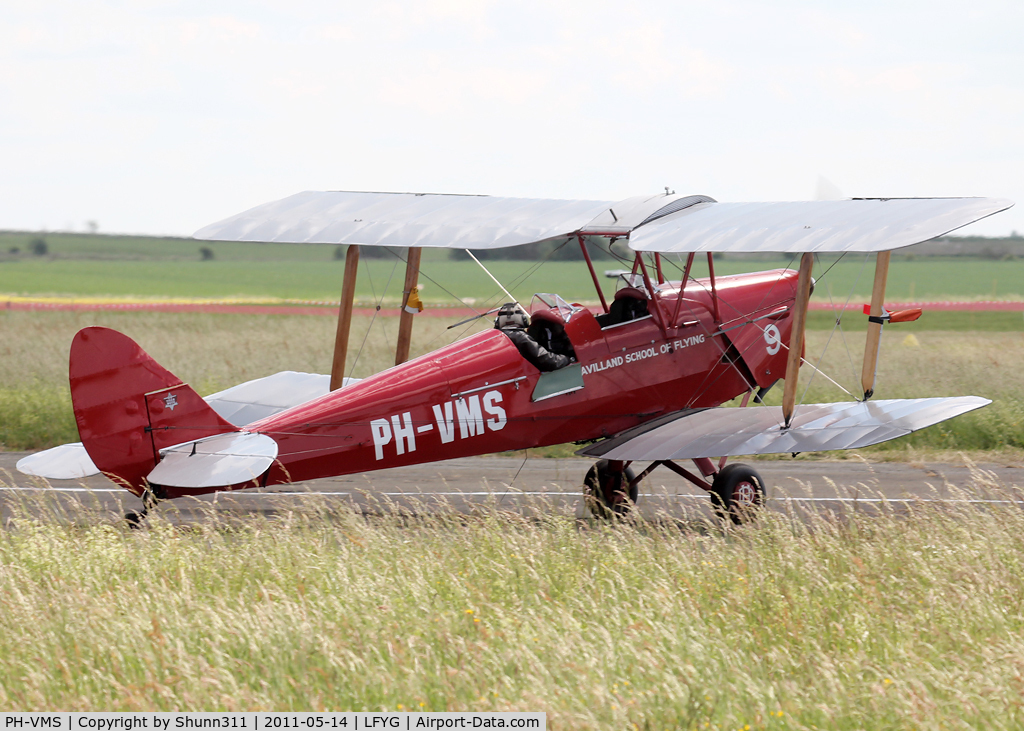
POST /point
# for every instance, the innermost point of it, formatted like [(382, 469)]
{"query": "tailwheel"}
[(737, 493), (149, 501), (609, 489)]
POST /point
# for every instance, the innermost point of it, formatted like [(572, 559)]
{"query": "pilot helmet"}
[(511, 315)]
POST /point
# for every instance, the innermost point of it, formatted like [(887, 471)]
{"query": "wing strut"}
[(867, 377), (593, 274), (796, 341), (348, 293), (412, 272)]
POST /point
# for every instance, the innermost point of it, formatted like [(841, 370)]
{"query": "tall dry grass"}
[(891, 621)]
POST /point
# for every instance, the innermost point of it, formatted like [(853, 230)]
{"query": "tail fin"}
[(128, 407)]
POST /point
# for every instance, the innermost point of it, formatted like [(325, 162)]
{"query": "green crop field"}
[(449, 281), (81, 265)]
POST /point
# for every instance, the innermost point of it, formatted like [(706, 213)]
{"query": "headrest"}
[(631, 292)]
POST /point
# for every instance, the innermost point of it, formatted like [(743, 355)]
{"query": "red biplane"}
[(644, 379)]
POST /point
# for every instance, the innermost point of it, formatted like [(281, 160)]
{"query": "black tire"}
[(134, 520), (738, 493), (605, 490)]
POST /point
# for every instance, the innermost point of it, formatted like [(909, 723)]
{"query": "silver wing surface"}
[(727, 432), (858, 225), (254, 400), (66, 462), (406, 219), (217, 461), (663, 223)]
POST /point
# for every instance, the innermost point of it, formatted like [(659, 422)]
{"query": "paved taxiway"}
[(534, 485)]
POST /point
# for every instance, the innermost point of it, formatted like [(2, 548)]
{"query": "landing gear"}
[(149, 501), (737, 493), (610, 488)]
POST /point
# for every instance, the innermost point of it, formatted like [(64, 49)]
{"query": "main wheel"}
[(607, 491), (737, 493)]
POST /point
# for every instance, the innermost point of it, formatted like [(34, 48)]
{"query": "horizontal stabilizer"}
[(66, 462), (726, 432), (217, 461)]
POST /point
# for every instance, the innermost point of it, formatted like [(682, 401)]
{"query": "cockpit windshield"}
[(554, 303), (628, 280)]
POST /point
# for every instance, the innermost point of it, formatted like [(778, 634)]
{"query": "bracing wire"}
[(706, 384), (373, 318), (526, 456), (516, 281), (493, 278), (837, 325)]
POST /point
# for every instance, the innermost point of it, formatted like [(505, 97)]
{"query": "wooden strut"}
[(682, 289), (796, 340), (655, 300), (593, 274), (867, 377), (348, 294), (714, 289), (412, 272)]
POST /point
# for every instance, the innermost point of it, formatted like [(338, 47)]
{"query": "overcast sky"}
[(160, 117)]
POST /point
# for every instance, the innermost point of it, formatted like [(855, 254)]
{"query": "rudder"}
[(128, 407)]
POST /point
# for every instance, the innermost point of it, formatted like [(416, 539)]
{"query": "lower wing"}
[(726, 432)]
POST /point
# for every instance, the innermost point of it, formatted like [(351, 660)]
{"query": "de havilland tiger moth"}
[(643, 379)]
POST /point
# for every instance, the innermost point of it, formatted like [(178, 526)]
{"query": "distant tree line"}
[(544, 250), (37, 246), (549, 250)]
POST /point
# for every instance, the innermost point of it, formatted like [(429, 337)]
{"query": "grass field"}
[(310, 273), (908, 621), (874, 622), (213, 352)]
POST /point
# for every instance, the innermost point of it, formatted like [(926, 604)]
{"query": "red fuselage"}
[(479, 395)]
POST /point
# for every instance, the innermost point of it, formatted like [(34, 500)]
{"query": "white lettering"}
[(641, 355), (471, 420), (773, 339), (603, 365), (445, 422), (491, 400), (404, 432), (381, 435)]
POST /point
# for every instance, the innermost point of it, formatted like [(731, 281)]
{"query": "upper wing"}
[(724, 432), (864, 225), (406, 219), (663, 223)]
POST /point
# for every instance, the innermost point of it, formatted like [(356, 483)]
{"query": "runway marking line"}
[(977, 501)]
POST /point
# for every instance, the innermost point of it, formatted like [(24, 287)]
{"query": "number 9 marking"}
[(773, 338)]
